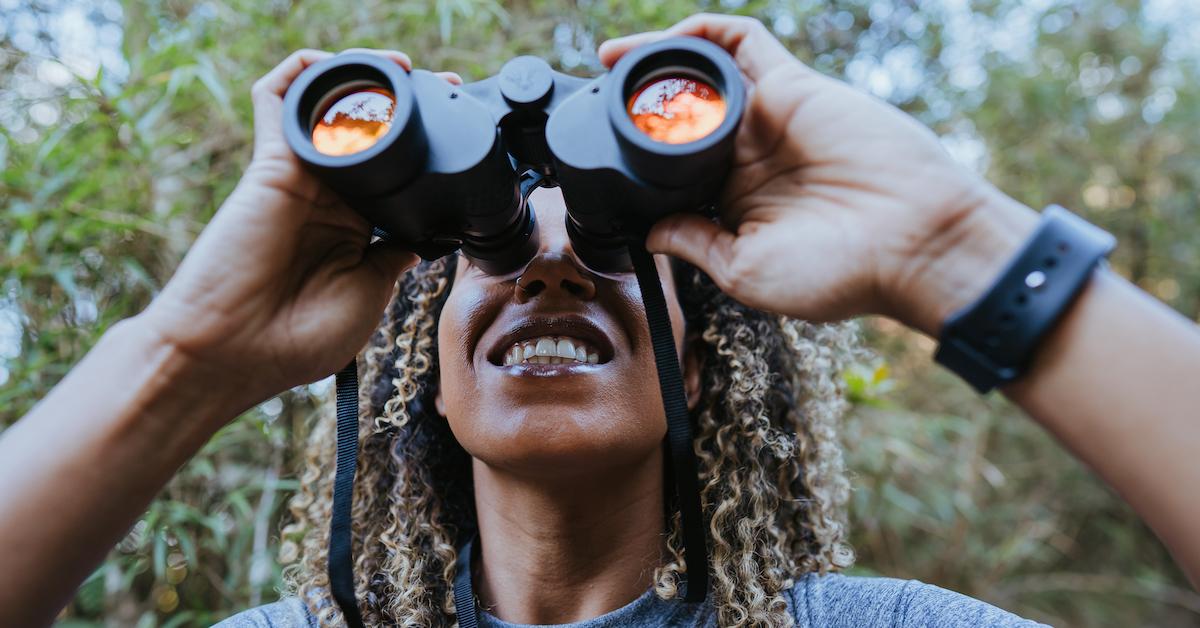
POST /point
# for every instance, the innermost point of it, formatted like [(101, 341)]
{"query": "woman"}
[(568, 459), (838, 206)]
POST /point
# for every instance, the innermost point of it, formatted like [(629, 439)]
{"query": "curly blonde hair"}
[(773, 486)]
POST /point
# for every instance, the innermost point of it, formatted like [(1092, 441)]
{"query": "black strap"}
[(341, 557), (682, 462), (679, 426), (993, 340), (464, 593)]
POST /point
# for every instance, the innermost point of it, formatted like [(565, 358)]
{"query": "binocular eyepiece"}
[(439, 167)]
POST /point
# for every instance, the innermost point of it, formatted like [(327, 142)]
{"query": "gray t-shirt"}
[(816, 601)]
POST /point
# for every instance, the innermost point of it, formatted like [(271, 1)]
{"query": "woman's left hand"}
[(838, 204)]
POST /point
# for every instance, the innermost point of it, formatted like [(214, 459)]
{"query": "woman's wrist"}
[(167, 387), (957, 263)]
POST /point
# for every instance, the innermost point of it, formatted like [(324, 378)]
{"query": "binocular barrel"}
[(412, 154), (439, 167), (672, 110)]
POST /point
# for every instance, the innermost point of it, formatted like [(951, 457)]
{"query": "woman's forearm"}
[(1113, 380), (84, 463), (281, 288), (1116, 383)]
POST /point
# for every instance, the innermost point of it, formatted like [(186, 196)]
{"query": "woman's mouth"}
[(551, 350), (552, 344)]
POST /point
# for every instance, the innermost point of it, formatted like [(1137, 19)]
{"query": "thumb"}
[(753, 46), (694, 239), (613, 49)]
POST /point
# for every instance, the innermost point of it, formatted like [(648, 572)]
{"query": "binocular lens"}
[(354, 122), (676, 109)]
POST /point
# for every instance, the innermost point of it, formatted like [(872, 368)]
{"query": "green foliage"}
[(121, 134)]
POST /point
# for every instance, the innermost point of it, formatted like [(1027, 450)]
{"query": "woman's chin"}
[(539, 443)]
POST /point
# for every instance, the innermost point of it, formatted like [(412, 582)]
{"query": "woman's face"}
[(556, 373)]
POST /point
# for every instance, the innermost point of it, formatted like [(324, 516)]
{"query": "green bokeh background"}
[(123, 126)]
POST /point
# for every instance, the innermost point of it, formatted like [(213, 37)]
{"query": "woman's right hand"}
[(838, 204), (283, 286)]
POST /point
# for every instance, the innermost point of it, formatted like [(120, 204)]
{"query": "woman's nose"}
[(554, 274)]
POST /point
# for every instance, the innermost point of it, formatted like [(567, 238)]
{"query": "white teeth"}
[(551, 350)]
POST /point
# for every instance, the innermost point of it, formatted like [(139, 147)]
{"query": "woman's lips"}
[(552, 341)]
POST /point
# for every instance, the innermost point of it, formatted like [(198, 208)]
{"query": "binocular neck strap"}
[(464, 591), (341, 555), (681, 461)]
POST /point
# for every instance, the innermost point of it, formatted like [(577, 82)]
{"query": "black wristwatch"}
[(992, 341)]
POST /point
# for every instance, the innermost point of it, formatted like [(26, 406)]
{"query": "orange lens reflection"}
[(355, 122), (677, 109)]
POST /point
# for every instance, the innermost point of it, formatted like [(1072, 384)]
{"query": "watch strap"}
[(993, 340)]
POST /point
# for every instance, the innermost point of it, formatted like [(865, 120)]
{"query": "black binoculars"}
[(436, 167)]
